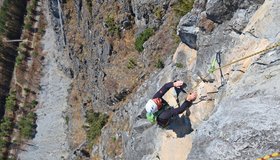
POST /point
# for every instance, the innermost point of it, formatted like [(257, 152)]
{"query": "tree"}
[(11, 102), (11, 21)]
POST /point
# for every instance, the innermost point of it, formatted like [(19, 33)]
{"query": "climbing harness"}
[(267, 157), (213, 69)]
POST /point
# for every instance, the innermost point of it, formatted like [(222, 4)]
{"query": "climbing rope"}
[(218, 61), (251, 55), (213, 69), (267, 157)]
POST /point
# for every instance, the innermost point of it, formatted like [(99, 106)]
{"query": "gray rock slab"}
[(246, 123)]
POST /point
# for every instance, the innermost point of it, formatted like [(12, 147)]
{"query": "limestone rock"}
[(204, 15), (205, 24), (187, 28), (235, 121), (146, 12), (245, 125), (227, 131), (220, 11)]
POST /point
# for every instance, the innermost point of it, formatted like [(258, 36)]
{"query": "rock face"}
[(220, 11), (245, 109), (206, 13), (148, 13), (235, 121), (245, 122), (144, 139), (100, 40), (101, 43)]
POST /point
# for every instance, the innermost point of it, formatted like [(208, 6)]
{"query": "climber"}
[(156, 108), (164, 117)]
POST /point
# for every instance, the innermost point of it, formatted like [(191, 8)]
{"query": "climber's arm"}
[(186, 105), (166, 87), (163, 90)]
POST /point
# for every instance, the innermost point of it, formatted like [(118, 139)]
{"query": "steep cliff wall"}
[(235, 121), (101, 44), (245, 123), (224, 117), (100, 38)]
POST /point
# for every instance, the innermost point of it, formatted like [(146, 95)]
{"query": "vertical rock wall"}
[(99, 60), (245, 124), (224, 121)]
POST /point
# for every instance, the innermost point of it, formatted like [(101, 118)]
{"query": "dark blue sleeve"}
[(175, 111), (163, 90), (182, 108)]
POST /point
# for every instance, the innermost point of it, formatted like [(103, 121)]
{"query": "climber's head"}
[(153, 105)]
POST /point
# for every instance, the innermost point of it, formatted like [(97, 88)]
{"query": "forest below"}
[(20, 68), (11, 21)]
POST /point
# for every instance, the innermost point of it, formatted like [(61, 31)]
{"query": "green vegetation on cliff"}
[(89, 5), (27, 126), (131, 64), (11, 102), (142, 38), (6, 127), (159, 63), (182, 7), (113, 27), (96, 122)]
